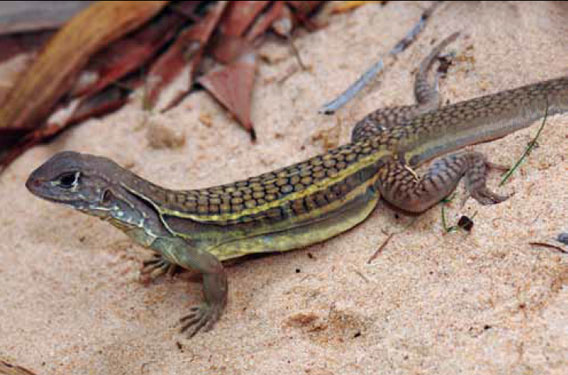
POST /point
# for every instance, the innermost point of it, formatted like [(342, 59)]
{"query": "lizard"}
[(307, 202)]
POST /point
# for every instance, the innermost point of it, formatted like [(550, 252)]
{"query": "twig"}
[(554, 247), (385, 243), (361, 275), (296, 53), (376, 253), (529, 148), (332, 106)]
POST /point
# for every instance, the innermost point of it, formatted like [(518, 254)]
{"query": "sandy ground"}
[(431, 303)]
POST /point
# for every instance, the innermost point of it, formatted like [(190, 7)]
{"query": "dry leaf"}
[(240, 15), (53, 72), (15, 44), (284, 24), (228, 48), (171, 76), (131, 52), (264, 21), (232, 86)]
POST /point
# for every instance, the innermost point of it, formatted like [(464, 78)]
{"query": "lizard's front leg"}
[(180, 252), (400, 186)]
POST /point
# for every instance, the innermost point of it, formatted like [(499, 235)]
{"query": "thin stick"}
[(543, 244), (385, 243), (332, 106)]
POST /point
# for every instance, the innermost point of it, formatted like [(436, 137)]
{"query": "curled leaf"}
[(53, 72)]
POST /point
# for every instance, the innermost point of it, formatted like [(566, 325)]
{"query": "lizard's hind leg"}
[(400, 185)]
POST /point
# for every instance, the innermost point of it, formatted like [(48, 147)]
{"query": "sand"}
[(430, 303)]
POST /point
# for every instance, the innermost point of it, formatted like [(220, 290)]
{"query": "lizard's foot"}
[(200, 317), (156, 267), (475, 179)]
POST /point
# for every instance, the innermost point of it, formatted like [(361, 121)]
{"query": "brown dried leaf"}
[(15, 44), (171, 76), (262, 24), (10, 73), (231, 43), (240, 15), (77, 110), (284, 24), (228, 48), (302, 10), (232, 86), (304, 7), (131, 52), (54, 71)]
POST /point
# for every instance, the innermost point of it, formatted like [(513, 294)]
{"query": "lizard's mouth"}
[(44, 189)]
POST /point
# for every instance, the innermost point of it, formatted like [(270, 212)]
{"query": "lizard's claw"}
[(156, 267), (486, 197), (200, 317)]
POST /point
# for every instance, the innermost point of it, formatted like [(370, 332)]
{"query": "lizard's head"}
[(79, 180)]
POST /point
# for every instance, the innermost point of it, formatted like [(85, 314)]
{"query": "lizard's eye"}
[(68, 180)]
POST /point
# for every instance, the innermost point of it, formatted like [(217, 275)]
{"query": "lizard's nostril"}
[(32, 183)]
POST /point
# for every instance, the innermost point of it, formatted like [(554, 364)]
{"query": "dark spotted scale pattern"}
[(272, 186)]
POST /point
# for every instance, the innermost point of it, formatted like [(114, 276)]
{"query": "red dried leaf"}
[(53, 72), (14, 44), (171, 76), (230, 43), (228, 48), (232, 86), (262, 24), (103, 102), (240, 15), (284, 24), (304, 7), (131, 52)]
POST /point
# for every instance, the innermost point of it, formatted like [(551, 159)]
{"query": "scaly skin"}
[(307, 202)]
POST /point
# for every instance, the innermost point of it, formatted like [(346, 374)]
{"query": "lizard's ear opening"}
[(107, 197)]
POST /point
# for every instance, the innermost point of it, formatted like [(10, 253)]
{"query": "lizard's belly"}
[(302, 235)]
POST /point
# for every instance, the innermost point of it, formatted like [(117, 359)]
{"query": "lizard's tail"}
[(482, 119)]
